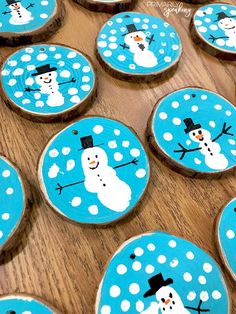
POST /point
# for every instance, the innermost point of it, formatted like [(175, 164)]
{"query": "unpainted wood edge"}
[(107, 7)]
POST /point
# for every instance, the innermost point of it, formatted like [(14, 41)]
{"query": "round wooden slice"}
[(109, 6), (48, 83), (193, 131), (136, 46), (226, 236), (160, 273), (95, 171), (25, 304), (213, 28), (26, 22), (14, 205)]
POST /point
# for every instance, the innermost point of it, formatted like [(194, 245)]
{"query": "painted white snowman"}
[(228, 25), (102, 179), (46, 78), (136, 42), (19, 14), (208, 147)]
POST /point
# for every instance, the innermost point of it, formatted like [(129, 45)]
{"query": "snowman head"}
[(195, 131), (135, 36), (14, 5), (45, 75), (92, 159), (169, 301), (226, 22)]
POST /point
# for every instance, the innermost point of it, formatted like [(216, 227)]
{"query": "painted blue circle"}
[(216, 24), (23, 304), (227, 236), (26, 15), (157, 266), (106, 159), (47, 79), (137, 43), (12, 201), (181, 115)]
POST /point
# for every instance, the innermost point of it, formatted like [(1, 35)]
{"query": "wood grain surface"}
[(62, 262)]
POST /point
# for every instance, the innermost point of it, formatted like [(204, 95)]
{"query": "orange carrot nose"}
[(46, 78), (92, 162), (167, 302), (137, 38), (199, 137)]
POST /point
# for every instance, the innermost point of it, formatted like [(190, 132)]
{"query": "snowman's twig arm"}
[(184, 150), (60, 187), (223, 132), (6, 12), (73, 80), (150, 39), (28, 89), (134, 162), (124, 46), (198, 309), (31, 5), (213, 38)]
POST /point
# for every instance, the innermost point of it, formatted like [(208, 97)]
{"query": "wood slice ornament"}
[(193, 132), (95, 171), (109, 6), (25, 304), (226, 236), (213, 28), (136, 46), (14, 205), (160, 273), (48, 83), (26, 22)]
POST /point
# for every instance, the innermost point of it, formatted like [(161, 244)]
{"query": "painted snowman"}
[(228, 25), (19, 14), (46, 78), (208, 147), (136, 42), (102, 179)]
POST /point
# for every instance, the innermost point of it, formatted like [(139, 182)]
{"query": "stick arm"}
[(134, 162), (184, 150), (60, 187)]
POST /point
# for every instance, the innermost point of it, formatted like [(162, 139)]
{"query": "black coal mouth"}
[(48, 81), (94, 167)]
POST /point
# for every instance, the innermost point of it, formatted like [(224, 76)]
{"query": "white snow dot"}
[(197, 161), (231, 142), (204, 296), (53, 153), (202, 280), (188, 142), (223, 7), (175, 47), (12, 82), (212, 124), (218, 107), (187, 277), (230, 234), (70, 165), (197, 22), (52, 48), (71, 54), (75, 99), (85, 87), (6, 72), (167, 59), (174, 263), (9, 191), (194, 108), (12, 63), (186, 97), (175, 104), (93, 209), (119, 20), (112, 144), (216, 295), (26, 101), (76, 201), (134, 288), (43, 16), (113, 45), (26, 58), (172, 243), (29, 81), (151, 247), (37, 95), (65, 73), (140, 173), (57, 56), (98, 129), (76, 65), (106, 309), (163, 115), (114, 291), (18, 94), (213, 27), (31, 67), (190, 255), (149, 269), (204, 97), (220, 42), (118, 156), (125, 144), (145, 26), (44, 3), (86, 69), (161, 259), (233, 12), (154, 26), (73, 91), (202, 29), (125, 305), (191, 295), (85, 79), (66, 151), (207, 20), (107, 53), (136, 266), (228, 113), (138, 251), (121, 269), (117, 132), (207, 267), (102, 44), (121, 58), (1, 234), (18, 72), (113, 31), (168, 136), (233, 152), (103, 36), (6, 173), (135, 152), (5, 216), (42, 57), (139, 306), (136, 20), (176, 121)]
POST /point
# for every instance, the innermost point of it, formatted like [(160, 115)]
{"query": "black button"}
[(104, 184), (205, 144), (209, 150)]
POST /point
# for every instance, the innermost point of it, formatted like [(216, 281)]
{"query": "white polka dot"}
[(57, 56), (187, 277), (106, 309), (204, 97), (233, 152), (154, 26), (114, 291), (186, 97), (113, 45), (135, 152), (168, 136), (228, 113), (175, 104), (112, 39), (121, 58), (220, 42), (194, 108), (216, 295), (43, 16), (167, 59), (12, 63), (75, 99), (26, 101), (39, 103), (73, 91), (117, 132), (176, 121), (231, 142), (149, 269), (98, 129), (93, 209), (85, 79), (174, 263), (118, 156), (161, 259), (138, 251), (204, 296), (202, 280), (76, 201), (140, 173), (213, 27), (44, 2), (86, 69), (65, 73), (223, 7), (26, 58), (188, 142), (102, 44), (103, 36), (163, 115), (71, 55), (139, 306), (52, 48), (66, 151), (207, 267), (113, 31), (42, 57), (197, 22), (1, 234), (121, 269), (175, 47), (207, 20), (151, 247), (5, 216), (119, 20), (212, 124), (191, 295), (202, 29), (112, 144), (31, 67), (172, 243), (37, 95), (18, 72), (134, 288), (125, 144), (53, 153), (230, 234), (190, 255), (125, 306), (9, 191), (197, 161), (136, 20), (18, 94), (12, 82), (107, 53), (76, 65), (136, 266), (6, 173), (85, 87), (218, 107)]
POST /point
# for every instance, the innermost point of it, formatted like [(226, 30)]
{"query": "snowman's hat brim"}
[(132, 29), (222, 16), (44, 69), (15, 1)]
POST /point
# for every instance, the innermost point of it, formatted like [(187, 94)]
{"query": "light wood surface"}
[(63, 262)]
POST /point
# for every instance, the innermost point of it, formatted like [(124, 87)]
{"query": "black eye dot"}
[(96, 156), (171, 295), (88, 158), (41, 78), (193, 95), (49, 74), (75, 132), (163, 300), (194, 134), (10, 312), (200, 132), (132, 256)]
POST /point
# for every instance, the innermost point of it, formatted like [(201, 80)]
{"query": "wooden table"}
[(63, 262)]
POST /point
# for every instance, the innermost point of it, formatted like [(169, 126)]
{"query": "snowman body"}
[(214, 159), (49, 85), (19, 15), (102, 179), (139, 46), (228, 25)]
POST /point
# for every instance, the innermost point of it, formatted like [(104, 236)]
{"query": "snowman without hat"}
[(228, 25), (46, 78), (102, 179), (168, 300), (138, 43), (19, 14), (208, 147)]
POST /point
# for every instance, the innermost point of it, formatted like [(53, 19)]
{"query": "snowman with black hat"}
[(19, 14), (138, 43), (228, 25), (214, 159), (46, 78)]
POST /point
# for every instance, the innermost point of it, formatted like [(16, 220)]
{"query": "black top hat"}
[(190, 125), (156, 283), (131, 29), (87, 141), (9, 2), (44, 69), (222, 15)]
